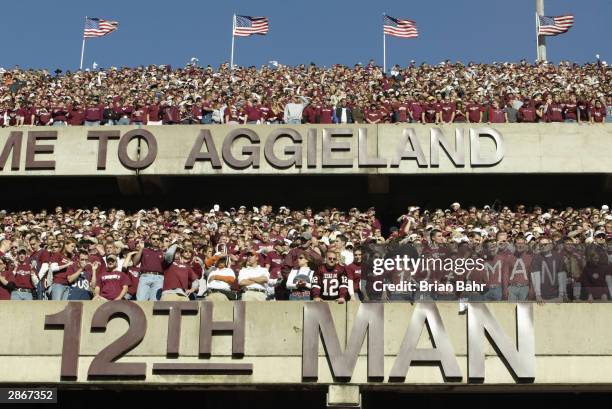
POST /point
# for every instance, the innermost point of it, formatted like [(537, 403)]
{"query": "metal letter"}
[(13, 143), (416, 152), (318, 318), (294, 150), (204, 137), (103, 137), (457, 155), (442, 353), (137, 164), (500, 150), (330, 146), (251, 152), (520, 360), (364, 160), (33, 149)]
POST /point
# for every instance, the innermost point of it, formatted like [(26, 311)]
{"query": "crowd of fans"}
[(443, 93), (271, 253)]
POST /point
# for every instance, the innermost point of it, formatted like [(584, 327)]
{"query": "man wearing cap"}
[(253, 279), (24, 277), (112, 285), (151, 278)]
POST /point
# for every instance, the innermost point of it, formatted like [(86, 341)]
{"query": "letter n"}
[(520, 361)]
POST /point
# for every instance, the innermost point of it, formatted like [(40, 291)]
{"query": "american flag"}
[(397, 27), (551, 26), (245, 26), (96, 27)]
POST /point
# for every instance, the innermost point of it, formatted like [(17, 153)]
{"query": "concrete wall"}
[(573, 347), (529, 148)]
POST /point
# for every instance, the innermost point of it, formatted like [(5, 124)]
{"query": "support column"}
[(343, 397)]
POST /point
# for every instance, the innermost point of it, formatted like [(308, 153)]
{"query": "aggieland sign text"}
[(318, 323), (241, 148)]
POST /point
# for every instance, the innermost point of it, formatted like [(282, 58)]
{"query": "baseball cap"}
[(306, 236), (600, 233), (111, 256)]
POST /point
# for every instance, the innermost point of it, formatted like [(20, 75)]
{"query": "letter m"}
[(318, 320)]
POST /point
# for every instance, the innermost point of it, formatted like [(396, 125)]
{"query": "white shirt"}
[(218, 284), (302, 271), (346, 256), (253, 272)]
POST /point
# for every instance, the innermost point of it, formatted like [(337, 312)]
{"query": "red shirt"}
[(447, 109), (497, 115), (22, 276), (139, 115), (473, 111), (430, 113), (179, 275), (94, 113), (151, 261), (76, 117), (153, 111), (330, 284), (133, 274), (402, 112), (253, 113), (554, 113), (598, 114), (326, 115), (111, 284), (61, 276), (4, 292)]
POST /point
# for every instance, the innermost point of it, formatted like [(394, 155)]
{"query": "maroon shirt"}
[(133, 274), (373, 115), (330, 284), (416, 110), (353, 272), (253, 113), (554, 113), (527, 113), (497, 115), (151, 261), (76, 117), (570, 110), (326, 115), (22, 276), (61, 276), (4, 292), (94, 113), (139, 115), (401, 112), (111, 283), (598, 114), (447, 109), (178, 275), (473, 111), (153, 111), (430, 113), (171, 114)]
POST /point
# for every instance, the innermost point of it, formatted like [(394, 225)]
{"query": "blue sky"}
[(45, 35)]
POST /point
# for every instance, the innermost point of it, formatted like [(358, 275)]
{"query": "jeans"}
[(58, 123), (299, 296), (110, 122), (136, 123), (294, 121), (40, 291), (518, 293), (206, 119), (92, 123), (568, 121), (149, 287), (21, 296), (493, 294), (59, 292), (122, 121)]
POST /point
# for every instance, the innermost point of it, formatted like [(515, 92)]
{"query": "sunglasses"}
[(332, 258)]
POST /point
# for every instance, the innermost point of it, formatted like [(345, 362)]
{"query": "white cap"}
[(216, 208), (87, 223), (605, 208)]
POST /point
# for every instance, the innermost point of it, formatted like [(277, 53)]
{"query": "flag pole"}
[(233, 31), (83, 48), (541, 39), (384, 47), (537, 37)]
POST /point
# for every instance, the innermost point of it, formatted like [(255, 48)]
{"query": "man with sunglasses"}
[(151, 278), (330, 281), (253, 279)]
